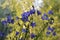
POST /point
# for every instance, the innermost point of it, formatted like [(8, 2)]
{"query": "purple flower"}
[(51, 29), (48, 33), (28, 12), (44, 17), (25, 16), (50, 12), (9, 18), (33, 24), (24, 30), (33, 35), (25, 19), (4, 22), (32, 11), (54, 33), (12, 21), (1, 34), (38, 12), (17, 33)]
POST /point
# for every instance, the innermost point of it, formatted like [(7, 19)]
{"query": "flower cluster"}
[(51, 30), (25, 15), (30, 22), (24, 18), (8, 20), (1, 34)]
